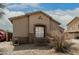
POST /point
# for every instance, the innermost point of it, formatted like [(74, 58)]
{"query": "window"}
[(39, 31)]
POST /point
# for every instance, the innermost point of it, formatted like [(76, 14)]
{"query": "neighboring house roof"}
[(12, 18), (73, 31), (76, 18), (61, 27)]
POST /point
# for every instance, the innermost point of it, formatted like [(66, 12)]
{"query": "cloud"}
[(63, 16), (5, 24), (31, 4), (8, 25), (4, 21), (23, 6), (13, 13)]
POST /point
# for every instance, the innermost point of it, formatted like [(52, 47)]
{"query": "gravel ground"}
[(75, 46), (6, 48)]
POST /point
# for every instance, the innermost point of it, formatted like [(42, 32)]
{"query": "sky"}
[(61, 12), (42, 6)]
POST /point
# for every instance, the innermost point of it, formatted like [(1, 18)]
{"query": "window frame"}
[(40, 26)]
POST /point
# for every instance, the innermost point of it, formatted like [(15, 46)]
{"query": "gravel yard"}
[(75, 46), (6, 48)]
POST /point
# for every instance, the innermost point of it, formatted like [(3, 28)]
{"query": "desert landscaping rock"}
[(6, 48)]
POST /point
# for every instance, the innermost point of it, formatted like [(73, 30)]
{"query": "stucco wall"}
[(54, 28), (25, 25), (20, 27), (72, 35), (34, 20), (73, 29), (74, 25)]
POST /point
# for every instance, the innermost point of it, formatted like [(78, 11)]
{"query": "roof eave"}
[(72, 20), (12, 18)]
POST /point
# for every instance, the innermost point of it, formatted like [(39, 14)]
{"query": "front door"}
[(39, 31)]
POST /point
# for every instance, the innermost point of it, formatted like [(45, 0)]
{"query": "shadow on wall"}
[(30, 47)]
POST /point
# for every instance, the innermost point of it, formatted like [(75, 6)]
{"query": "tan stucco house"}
[(28, 27), (73, 29)]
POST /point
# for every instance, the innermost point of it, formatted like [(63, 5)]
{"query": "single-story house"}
[(73, 29), (27, 28)]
